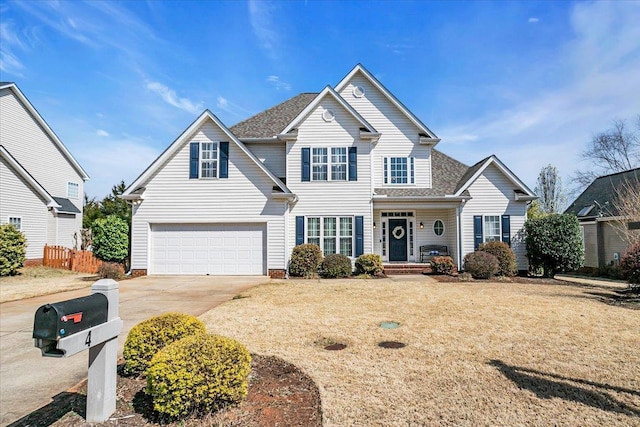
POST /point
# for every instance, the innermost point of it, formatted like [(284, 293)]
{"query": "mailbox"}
[(62, 319)]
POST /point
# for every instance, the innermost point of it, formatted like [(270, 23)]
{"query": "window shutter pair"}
[(359, 233), (477, 230), (194, 159), (306, 164)]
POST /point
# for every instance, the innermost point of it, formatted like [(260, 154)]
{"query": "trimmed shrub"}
[(13, 250), (630, 265), (336, 265), (305, 260), (110, 239), (369, 264), (111, 270), (554, 242), (481, 265), (506, 257), (443, 265), (148, 337), (198, 374)]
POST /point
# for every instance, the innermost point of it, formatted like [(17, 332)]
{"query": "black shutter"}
[(194, 157), (477, 231), (359, 236), (353, 163), (299, 230), (506, 229), (306, 164), (224, 160)]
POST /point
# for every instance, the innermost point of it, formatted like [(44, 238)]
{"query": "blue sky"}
[(528, 81)]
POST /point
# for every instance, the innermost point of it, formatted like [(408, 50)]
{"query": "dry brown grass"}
[(34, 281), (477, 353)]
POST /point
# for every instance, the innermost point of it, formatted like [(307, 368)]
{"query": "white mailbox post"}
[(69, 327)]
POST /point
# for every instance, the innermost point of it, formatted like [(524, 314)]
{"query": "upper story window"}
[(73, 190), (16, 221), (208, 160), (398, 170), (322, 163)]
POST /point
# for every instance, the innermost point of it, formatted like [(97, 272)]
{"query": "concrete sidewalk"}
[(593, 281), (29, 381)]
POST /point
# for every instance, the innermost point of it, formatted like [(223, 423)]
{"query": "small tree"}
[(554, 242), (627, 205), (110, 239), (630, 266), (13, 249)]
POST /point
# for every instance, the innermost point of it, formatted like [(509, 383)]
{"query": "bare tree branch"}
[(627, 203)]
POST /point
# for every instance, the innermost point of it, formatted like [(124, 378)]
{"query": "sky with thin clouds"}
[(530, 82)]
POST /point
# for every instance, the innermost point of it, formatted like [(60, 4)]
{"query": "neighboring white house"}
[(350, 169), (41, 184)]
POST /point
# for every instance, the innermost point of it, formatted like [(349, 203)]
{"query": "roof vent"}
[(328, 115), (358, 91)]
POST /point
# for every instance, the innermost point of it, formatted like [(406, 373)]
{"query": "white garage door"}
[(220, 249)]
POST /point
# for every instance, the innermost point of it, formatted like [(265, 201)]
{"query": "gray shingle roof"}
[(446, 173), (602, 191), (469, 173), (271, 122), (66, 205)]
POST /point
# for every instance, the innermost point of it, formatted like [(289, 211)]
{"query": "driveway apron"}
[(29, 381)]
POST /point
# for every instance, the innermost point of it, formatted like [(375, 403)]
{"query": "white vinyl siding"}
[(330, 198), (492, 195), (18, 200), (399, 136), (22, 136), (245, 197), (272, 155)]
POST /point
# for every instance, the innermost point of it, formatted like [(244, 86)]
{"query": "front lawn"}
[(39, 280), (476, 353)]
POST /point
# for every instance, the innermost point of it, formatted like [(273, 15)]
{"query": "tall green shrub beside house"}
[(110, 239), (13, 249)]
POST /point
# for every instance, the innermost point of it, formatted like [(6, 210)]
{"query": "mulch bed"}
[(279, 395)]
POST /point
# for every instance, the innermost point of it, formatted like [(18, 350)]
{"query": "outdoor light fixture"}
[(421, 225), (374, 225)]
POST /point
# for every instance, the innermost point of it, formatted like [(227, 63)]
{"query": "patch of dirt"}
[(280, 394)]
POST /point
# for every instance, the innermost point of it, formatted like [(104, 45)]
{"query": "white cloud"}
[(225, 105), (170, 97), (102, 132), (222, 102), (261, 18), (602, 84), (9, 42), (278, 84), (533, 20)]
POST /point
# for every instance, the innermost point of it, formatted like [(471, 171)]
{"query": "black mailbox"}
[(64, 318)]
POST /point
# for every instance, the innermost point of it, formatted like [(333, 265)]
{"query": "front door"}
[(397, 239)]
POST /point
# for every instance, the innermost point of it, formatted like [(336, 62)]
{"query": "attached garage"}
[(216, 249)]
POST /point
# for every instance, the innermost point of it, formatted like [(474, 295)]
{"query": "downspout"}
[(459, 234), (286, 238)]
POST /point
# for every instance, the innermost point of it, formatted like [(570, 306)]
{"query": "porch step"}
[(406, 268)]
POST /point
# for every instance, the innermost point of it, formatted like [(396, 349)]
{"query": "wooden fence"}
[(70, 259)]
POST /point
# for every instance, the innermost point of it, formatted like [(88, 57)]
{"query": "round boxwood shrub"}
[(13, 249), (198, 374), (630, 265), (369, 264), (305, 260), (481, 265), (443, 265), (506, 257), (148, 337), (336, 265)]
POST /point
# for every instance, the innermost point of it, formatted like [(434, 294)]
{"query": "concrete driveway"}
[(29, 381)]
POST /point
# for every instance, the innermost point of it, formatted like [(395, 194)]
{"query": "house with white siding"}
[(41, 183), (350, 169)]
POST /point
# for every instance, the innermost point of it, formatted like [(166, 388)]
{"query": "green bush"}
[(305, 260), (481, 265), (554, 242), (506, 257), (336, 265), (148, 337), (110, 239), (13, 250), (630, 265), (369, 264), (111, 270), (443, 265), (198, 374)]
